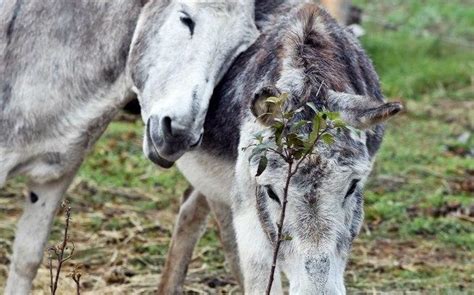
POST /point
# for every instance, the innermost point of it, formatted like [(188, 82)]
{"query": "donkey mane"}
[(329, 56), (306, 40)]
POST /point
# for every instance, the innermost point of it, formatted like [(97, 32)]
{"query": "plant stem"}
[(280, 227), (309, 151), (62, 248), (77, 280)]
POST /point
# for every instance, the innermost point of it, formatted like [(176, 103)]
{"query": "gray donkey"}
[(303, 52), (67, 66)]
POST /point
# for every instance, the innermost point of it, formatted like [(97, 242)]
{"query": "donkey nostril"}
[(166, 126)]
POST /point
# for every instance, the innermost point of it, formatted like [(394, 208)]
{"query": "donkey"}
[(66, 67), (303, 52)]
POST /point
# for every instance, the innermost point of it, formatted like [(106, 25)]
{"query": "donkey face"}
[(324, 211), (181, 50)]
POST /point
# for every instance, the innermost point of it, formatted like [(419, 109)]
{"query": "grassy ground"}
[(418, 233)]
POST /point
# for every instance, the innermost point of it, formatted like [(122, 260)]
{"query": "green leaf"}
[(259, 137), (286, 238), (333, 115), (277, 100), (288, 115), (328, 138), (262, 165), (294, 141), (322, 120), (278, 131), (273, 99), (297, 126), (299, 154), (259, 148), (338, 123), (315, 131)]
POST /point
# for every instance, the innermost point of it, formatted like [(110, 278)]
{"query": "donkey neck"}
[(42, 86)]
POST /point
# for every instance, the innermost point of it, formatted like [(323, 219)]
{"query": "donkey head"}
[(180, 51), (325, 202), (317, 62)]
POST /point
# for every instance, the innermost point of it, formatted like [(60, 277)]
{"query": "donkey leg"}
[(32, 233), (255, 252), (189, 227), (223, 214)]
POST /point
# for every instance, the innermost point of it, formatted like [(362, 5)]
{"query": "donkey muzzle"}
[(166, 142)]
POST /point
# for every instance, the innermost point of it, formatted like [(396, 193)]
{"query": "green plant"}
[(289, 141)]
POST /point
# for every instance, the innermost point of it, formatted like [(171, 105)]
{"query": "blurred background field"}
[(418, 233)]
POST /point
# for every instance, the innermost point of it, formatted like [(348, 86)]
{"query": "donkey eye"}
[(188, 22), (272, 194), (352, 188)]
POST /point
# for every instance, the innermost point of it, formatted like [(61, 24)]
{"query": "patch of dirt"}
[(453, 111), (464, 184), (455, 209), (386, 183), (380, 259)]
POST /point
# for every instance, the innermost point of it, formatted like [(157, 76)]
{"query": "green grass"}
[(430, 51), (417, 234), (428, 62)]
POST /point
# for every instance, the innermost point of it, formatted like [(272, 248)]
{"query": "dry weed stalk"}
[(75, 275), (61, 253)]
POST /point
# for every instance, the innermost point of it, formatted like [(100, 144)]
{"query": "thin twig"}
[(290, 174), (280, 228), (59, 252), (277, 152), (309, 150), (78, 284), (76, 277), (62, 248), (50, 266)]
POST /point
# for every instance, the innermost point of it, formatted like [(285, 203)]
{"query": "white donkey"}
[(67, 66), (303, 52)]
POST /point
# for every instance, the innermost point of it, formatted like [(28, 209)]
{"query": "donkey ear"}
[(362, 112), (363, 119), (261, 108)]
